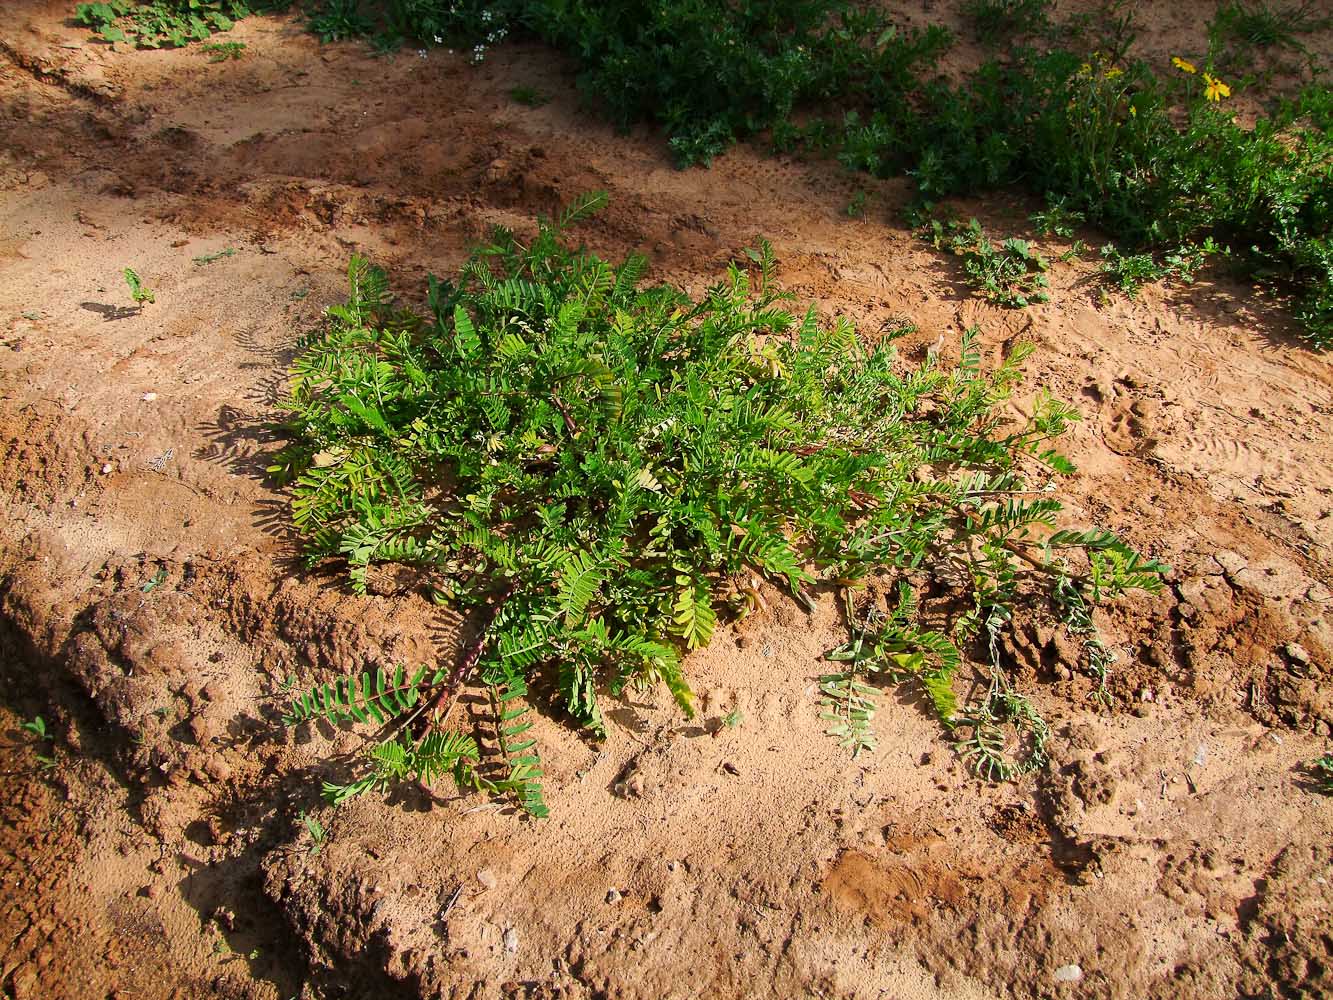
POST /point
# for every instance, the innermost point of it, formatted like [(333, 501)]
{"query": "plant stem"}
[(463, 668)]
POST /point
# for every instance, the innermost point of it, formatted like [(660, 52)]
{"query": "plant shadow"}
[(110, 313)]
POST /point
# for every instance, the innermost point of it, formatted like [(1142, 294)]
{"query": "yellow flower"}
[(1133, 111), (1214, 89), (1113, 72), (1181, 64)]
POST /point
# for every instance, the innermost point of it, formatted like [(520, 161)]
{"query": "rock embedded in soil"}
[(217, 768), (202, 730), (1068, 974)]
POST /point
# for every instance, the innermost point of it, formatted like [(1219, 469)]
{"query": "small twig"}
[(453, 900)]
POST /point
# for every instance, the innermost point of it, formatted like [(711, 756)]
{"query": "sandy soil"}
[(1169, 851)]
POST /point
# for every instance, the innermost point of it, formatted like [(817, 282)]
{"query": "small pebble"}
[(148, 397), (613, 896), (216, 768), (487, 878), (1068, 974), (1296, 652), (106, 469), (202, 730), (510, 940)]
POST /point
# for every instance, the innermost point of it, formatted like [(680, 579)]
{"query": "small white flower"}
[(421, 53), (439, 40)]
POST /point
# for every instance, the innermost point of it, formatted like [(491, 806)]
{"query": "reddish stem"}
[(466, 663)]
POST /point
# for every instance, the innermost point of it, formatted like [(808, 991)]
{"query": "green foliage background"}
[(1135, 149)]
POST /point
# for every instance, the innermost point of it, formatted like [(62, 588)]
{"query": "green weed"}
[(997, 20), (1011, 274), (139, 292), (596, 471), (1320, 771), (222, 51), (1057, 219), (151, 25), (317, 833), (1257, 24), (209, 258), (37, 727), (1132, 271), (339, 20), (529, 97)]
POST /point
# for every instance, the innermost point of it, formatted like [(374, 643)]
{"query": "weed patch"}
[(1320, 772), (600, 473), (1244, 32), (998, 20), (1012, 274), (1132, 271), (528, 97), (223, 51), (160, 23)]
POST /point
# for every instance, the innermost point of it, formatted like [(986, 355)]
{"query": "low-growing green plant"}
[(339, 20), (155, 23), (1057, 219), (597, 472), (1241, 25), (529, 97), (139, 292), (36, 726), (317, 833), (210, 258), (711, 74), (998, 20), (1132, 271), (222, 51), (1320, 771), (1012, 274)]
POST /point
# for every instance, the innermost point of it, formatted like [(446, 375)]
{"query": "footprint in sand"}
[(1130, 426)]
